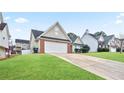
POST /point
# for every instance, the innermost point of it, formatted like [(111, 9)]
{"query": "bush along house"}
[(4, 38)]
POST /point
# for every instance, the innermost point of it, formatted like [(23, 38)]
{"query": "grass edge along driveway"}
[(108, 55), (42, 67)]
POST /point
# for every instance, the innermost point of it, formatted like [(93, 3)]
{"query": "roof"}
[(22, 41), (98, 34), (107, 38), (80, 41), (52, 27), (97, 37), (92, 35), (2, 25), (72, 36), (36, 33), (87, 33)]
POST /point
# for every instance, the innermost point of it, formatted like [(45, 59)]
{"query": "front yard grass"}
[(42, 67), (108, 55)]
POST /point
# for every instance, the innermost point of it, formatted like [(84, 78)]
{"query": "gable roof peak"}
[(57, 22), (52, 27), (78, 42)]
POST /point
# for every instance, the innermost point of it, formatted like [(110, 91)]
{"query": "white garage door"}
[(2, 52), (55, 47), (26, 51), (112, 49)]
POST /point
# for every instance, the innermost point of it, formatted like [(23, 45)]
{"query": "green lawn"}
[(108, 55), (42, 67)]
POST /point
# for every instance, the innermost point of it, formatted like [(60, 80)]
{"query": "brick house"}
[(53, 40)]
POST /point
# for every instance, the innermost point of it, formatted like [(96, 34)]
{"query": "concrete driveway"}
[(105, 68)]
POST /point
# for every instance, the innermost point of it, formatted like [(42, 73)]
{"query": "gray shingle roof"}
[(22, 41), (107, 38), (37, 33), (2, 25), (92, 35), (72, 36)]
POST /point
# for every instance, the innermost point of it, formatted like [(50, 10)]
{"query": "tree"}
[(121, 40)]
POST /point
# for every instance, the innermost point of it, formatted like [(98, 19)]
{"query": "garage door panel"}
[(55, 47), (112, 49)]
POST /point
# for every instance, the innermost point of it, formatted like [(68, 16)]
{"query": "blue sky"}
[(21, 23)]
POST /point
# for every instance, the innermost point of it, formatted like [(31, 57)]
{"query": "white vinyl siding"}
[(91, 42), (4, 39)]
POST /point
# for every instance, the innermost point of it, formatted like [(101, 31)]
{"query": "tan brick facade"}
[(42, 46)]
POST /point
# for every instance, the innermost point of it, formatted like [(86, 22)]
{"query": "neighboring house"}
[(4, 38), (76, 41), (34, 42), (21, 45), (100, 41), (90, 40), (118, 43), (105, 41), (54, 40)]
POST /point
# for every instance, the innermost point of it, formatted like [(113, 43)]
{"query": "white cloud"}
[(6, 18), (118, 17), (119, 21), (21, 20), (121, 14)]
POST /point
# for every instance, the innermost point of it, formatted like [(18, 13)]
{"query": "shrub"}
[(103, 50), (77, 50), (119, 49), (85, 49), (99, 49)]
